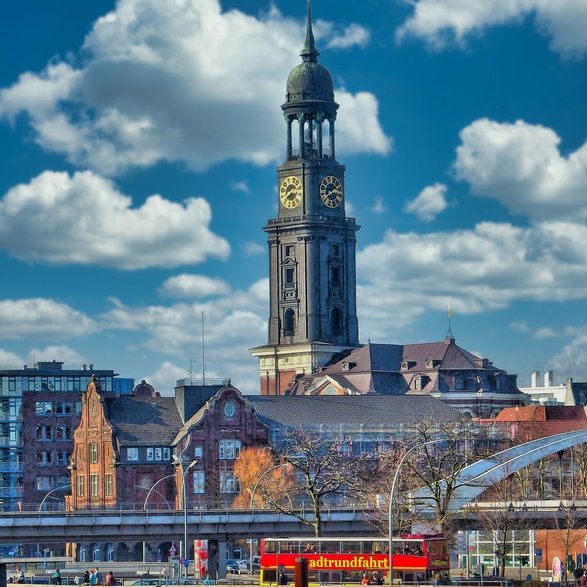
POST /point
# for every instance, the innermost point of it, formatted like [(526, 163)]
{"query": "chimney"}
[(535, 379), (549, 378)]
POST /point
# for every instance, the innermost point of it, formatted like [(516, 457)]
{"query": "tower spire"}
[(309, 52)]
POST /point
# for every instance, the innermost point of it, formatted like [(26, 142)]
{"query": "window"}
[(43, 408), (166, 454), (78, 408), (198, 451), (132, 454), (93, 452), (289, 276), (199, 482), (94, 485), (63, 433), (336, 318), (289, 319), (289, 250), (335, 276), (44, 458), (63, 408), (108, 484), (62, 457), (44, 432), (228, 482), (418, 382), (149, 454), (80, 485), (44, 482), (229, 449), (158, 454)]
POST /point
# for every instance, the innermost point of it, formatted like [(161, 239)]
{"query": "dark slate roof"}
[(143, 420), (381, 411)]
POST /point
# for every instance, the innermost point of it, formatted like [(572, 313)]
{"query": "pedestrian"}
[(93, 578), (582, 580), (56, 577), (86, 579), (109, 579), (99, 577)]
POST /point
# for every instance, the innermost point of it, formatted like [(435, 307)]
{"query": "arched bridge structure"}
[(473, 480)]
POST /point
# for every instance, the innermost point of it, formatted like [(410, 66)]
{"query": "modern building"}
[(547, 392), (312, 281), (39, 409)]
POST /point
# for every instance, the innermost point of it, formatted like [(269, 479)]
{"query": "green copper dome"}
[(309, 81)]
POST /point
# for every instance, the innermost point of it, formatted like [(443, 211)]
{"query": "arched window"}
[(336, 320), (289, 321)]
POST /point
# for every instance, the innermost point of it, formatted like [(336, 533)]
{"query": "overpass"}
[(84, 526), (474, 479)]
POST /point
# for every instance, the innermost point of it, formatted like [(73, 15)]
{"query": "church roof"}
[(143, 420), (372, 411)]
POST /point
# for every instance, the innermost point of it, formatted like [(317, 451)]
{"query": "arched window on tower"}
[(336, 321), (289, 321)]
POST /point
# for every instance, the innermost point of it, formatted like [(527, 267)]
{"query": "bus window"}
[(270, 546), (351, 547)]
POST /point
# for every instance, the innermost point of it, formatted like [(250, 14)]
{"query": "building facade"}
[(40, 406), (312, 279)]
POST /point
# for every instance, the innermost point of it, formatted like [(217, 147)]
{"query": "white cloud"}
[(251, 249), (93, 223), (429, 203), (170, 81), (441, 22), (572, 359), (240, 186), (163, 379), (521, 166), (70, 358), (193, 286), (352, 35), (233, 323), (379, 206), (42, 318), (10, 360), (483, 269)]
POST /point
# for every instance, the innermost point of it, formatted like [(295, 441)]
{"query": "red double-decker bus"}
[(348, 560)]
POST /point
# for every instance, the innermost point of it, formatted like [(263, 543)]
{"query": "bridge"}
[(83, 526), (473, 480)]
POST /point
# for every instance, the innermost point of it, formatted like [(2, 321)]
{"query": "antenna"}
[(191, 370), (451, 315), (203, 354)]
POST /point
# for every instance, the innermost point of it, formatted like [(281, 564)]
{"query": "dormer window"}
[(404, 366)]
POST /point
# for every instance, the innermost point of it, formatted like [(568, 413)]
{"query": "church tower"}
[(312, 278)]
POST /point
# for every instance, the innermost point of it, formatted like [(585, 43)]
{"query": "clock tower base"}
[(280, 364)]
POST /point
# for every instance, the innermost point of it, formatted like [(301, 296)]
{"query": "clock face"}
[(331, 191), (229, 409), (290, 192)]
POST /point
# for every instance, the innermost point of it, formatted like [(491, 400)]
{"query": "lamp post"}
[(391, 496), (60, 487), (184, 470)]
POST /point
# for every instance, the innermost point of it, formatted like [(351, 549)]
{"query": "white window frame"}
[(229, 449), (150, 453), (132, 454), (199, 482)]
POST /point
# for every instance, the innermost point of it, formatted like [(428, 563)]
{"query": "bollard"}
[(301, 572)]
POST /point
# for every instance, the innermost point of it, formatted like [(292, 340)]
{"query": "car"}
[(232, 565), (245, 564)]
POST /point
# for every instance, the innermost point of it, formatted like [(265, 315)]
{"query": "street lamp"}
[(60, 487), (179, 462), (391, 495)]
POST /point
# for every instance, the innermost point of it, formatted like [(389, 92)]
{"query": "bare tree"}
[(566, 533), (500, 519), (324, 470), (437, 465)]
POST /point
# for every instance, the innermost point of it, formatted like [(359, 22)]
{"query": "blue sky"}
[(139, 141)]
